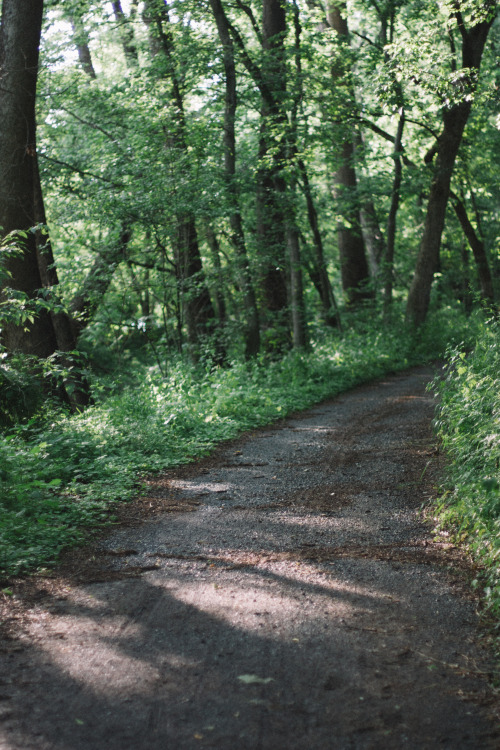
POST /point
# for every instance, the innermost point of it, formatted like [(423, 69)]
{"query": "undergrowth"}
[(468, 424), (61, 475)]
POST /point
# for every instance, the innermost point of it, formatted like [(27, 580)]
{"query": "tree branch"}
[(249, 12), (83, 172), (89, 124)]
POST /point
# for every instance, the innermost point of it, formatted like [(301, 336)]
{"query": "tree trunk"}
[(271, 226), (198, 309), (454, 121), (81, 40), (370, 226), (218, 295), (252, 333), (126, 35), (19, 48), (78, 395), (322, 281), (391, 219), (353, 263), (478, 252), (63, 325), (85, 303), (300, 339)]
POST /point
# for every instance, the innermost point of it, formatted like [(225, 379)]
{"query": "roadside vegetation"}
[(468, 424), (61, 474)]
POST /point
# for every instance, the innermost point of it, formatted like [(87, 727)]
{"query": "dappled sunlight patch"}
[(84, 652), (200, 487), (267, 593)]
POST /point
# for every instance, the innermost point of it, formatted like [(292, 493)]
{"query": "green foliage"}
[(20, 392), (60, 475), (469, 426)]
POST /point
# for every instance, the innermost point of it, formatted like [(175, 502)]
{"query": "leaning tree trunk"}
[(319, 276), (454, 122), (478, 252)]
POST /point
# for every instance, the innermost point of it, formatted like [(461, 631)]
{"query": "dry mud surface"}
[(286, 594)]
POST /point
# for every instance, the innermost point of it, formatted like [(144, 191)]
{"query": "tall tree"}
[(74, 14), (22, 208), (473, 26), (252, 332), (19, 50), (353, 261), (271, 222), (199, 312), (388, 271)]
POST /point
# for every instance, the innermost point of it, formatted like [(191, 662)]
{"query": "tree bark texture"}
[(19, 49), (271, 226)]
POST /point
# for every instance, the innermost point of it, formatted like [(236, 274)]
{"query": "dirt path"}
[(291, 600)]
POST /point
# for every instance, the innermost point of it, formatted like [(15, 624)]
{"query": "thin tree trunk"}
[(370, 226), (199, 312), (391, 219), (270, 79), (252, 333), (218, 294), (353, 264), (329, 305), (300, 340), (66, 339), (271, 223), (79, 394), (299, 324), (81, 40), (478, 251), (220, 303)]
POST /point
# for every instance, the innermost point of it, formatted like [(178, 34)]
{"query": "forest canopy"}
[(232, 177)]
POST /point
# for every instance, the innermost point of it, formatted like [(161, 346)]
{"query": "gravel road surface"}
[(285, 594)]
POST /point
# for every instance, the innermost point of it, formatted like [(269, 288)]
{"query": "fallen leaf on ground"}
[(253, 679)]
